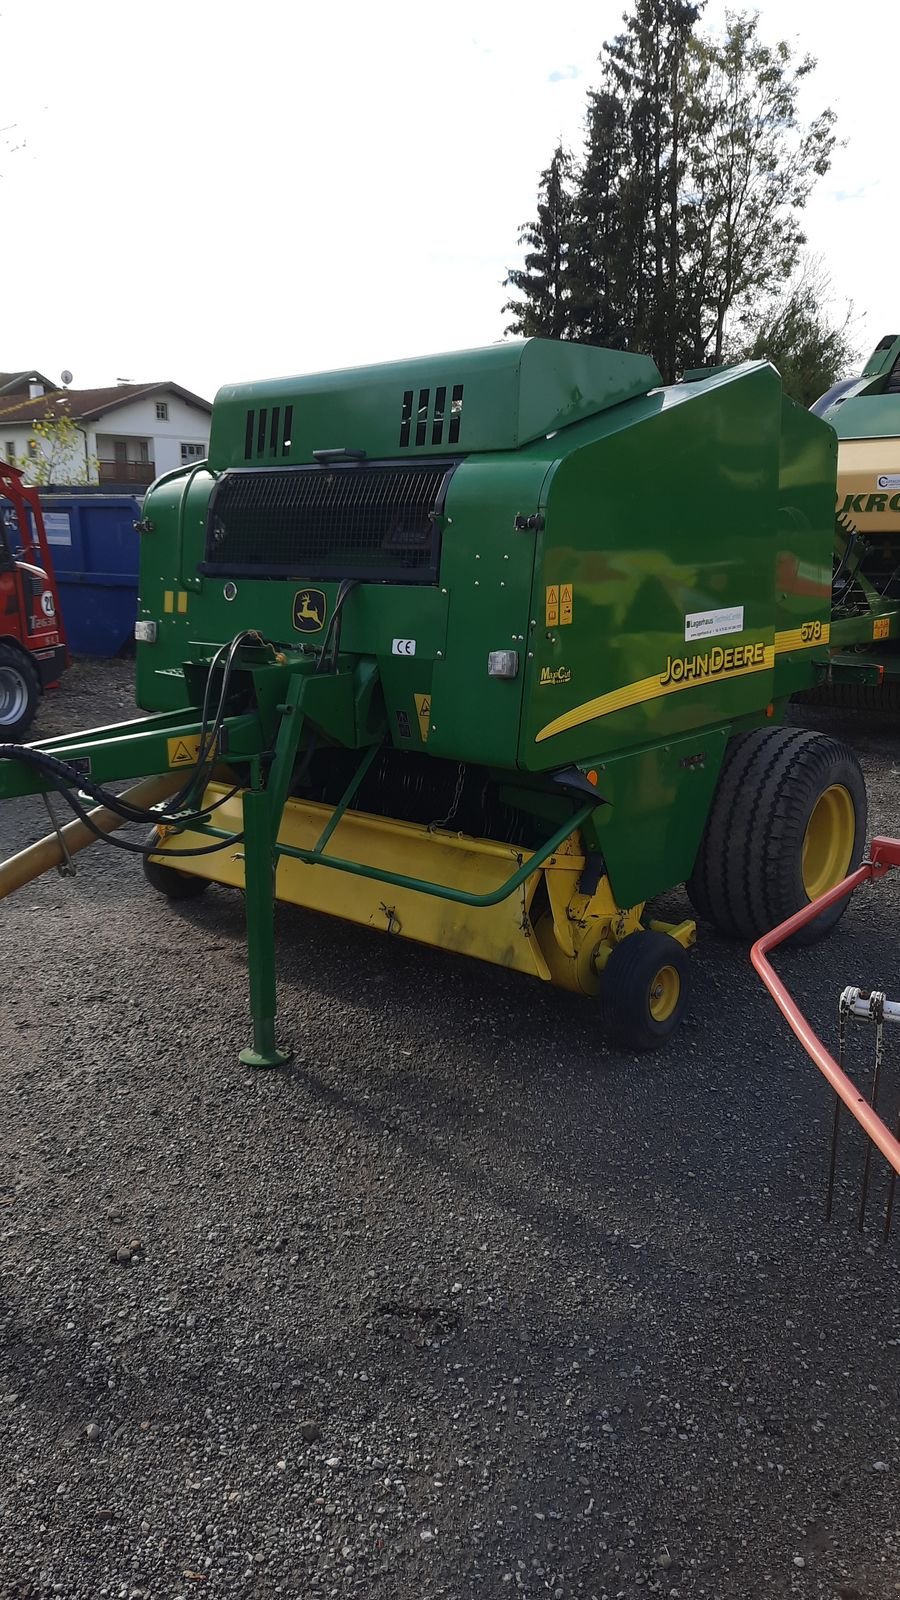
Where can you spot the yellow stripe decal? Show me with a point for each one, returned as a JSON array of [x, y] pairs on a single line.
[[669, 682], [803, 638], [169, 600]]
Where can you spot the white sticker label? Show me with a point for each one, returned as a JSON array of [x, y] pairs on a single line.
[[888, 480], [403, 647], [709, 624], [58, 527], [47, 605]]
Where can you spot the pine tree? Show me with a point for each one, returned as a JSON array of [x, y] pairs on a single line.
[[542, 282], [599, 312]]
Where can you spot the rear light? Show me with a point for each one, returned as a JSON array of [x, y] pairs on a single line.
[[503, 664]]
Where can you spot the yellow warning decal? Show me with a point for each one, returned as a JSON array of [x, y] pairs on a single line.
[[558, 605], [881, 628], [808, 633], [680, 672], [184, 752], [423, 712]]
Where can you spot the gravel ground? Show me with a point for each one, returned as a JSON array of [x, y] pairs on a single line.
[[462, 1304]]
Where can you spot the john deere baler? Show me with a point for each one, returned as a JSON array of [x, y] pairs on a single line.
[[487, 650]]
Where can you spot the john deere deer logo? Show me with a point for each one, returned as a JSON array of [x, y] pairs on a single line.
[[310, 610]]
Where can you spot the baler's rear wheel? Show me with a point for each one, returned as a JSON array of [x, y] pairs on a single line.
[[168, 881], [787, 822], [643, 989]]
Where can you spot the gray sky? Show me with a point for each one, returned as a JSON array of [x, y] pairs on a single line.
[[212, 191]]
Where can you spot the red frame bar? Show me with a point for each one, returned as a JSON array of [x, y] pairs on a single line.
[[884, 854]]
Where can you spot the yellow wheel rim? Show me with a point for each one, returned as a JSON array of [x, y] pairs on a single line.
[[664, 992], [828, 841]]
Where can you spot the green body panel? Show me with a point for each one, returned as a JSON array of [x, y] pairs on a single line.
[[869, 407], [661, 798], [487, 569], [685, 525], [511, 393], [883, 358], [803, 560], [867, 416]]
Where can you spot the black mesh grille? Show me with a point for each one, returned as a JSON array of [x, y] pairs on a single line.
[[377, 522]]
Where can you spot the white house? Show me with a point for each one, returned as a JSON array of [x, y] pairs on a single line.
[[127, 435]]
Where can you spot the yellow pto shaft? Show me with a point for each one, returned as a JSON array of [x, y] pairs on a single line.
[[48, 852]]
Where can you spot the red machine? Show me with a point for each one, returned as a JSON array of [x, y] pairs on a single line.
[[855, 1005], [33, 653]]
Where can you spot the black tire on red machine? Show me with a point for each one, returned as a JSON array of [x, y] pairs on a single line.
[[788, 821], [169, 881], [20, 692]]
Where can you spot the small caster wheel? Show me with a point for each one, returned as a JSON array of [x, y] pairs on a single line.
[[169, 881], [643, 990]]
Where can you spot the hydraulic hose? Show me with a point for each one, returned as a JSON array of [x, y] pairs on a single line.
[[48, 852]]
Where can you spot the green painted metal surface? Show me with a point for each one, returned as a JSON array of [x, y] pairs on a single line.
[[869, 407], [671, 571], [885, 356], [497, 398], [867, 416]]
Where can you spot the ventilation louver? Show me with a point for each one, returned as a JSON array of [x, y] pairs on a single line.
[[267, 432], [417, 410]]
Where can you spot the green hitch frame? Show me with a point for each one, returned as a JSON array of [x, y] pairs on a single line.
[[263, 809]]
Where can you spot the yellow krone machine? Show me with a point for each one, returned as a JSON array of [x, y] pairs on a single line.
[[865, 414]]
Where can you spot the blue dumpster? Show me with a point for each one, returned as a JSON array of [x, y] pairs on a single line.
[[94, 547]]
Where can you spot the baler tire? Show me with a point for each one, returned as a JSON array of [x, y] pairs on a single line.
[[643, 990], [19, 680], [879, 698], [757, 862], [169, 881]]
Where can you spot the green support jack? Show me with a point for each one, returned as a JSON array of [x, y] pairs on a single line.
[[259, 876], [262, 808]]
